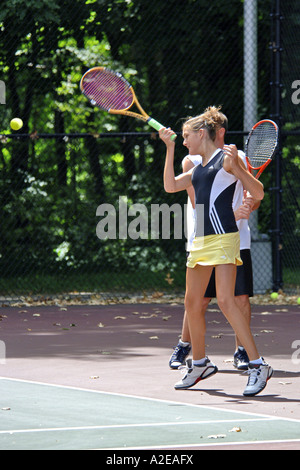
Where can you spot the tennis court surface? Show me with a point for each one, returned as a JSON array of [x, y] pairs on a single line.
[[97, 377]]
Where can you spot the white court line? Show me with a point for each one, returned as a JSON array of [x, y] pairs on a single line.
[[214, 444], [157, 400], [128, 426], [256, 417]]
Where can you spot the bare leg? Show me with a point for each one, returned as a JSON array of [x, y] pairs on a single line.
[[185, 333], [244, 305], [196, 284], [225, 284]]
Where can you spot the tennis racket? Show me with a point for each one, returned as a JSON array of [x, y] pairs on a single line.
[[111, 92], [261, 146]]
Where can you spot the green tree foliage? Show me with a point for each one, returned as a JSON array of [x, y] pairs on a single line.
[[180, 57]]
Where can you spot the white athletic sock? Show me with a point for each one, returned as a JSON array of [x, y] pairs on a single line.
[[257, 362], [184, 344], [200, 362]]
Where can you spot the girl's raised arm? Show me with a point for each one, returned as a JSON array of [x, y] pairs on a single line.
[[173, 184]]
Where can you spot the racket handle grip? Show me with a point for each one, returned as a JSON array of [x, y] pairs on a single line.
[[156, 125]]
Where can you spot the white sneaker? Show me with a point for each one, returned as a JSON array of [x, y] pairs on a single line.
[[194, 374], [258, 378]]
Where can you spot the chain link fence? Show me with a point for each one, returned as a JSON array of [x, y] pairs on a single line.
[[78, 186], [290, 170]]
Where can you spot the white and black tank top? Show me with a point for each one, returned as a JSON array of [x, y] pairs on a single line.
[[214, 190]]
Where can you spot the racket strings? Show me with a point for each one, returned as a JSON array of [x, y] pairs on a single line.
[[261, 144], [107, 90]]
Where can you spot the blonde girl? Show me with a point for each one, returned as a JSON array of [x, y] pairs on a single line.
[[216, 243]]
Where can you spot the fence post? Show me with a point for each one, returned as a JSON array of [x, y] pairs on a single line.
[[277, 116], [261, 250], [2, 92]]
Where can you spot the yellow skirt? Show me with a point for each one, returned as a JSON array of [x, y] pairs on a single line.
[[212, 250]]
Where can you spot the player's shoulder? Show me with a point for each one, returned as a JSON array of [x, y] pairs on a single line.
[[190, 161]]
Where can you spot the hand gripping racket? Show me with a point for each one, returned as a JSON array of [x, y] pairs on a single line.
[[261, 146], [111, 92]]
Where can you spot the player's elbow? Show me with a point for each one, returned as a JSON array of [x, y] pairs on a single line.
[[169, 186], [257, 191], [262, 196], [261, 193], [169, 189]]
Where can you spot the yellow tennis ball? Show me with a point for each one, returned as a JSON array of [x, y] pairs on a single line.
[[16, 124], [274, 295], [298, 301]]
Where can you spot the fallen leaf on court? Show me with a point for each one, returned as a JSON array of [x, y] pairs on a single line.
[[217, 436], [72, 324], [56, 324], [105, 353], [153, 337], [169, 280], [167, 318], [266, 331], [285, 383], [5, 409], [36, 315], [157, 295], [94, 377], [120, 318], [217, 336], [100, 325], [235, 429], [135, 313], [215, 322], [153, 315]]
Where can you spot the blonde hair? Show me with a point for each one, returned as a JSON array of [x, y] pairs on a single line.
[[212, 120]]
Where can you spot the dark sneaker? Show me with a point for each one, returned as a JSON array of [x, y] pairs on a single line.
[[179, 356], [241, 359]]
